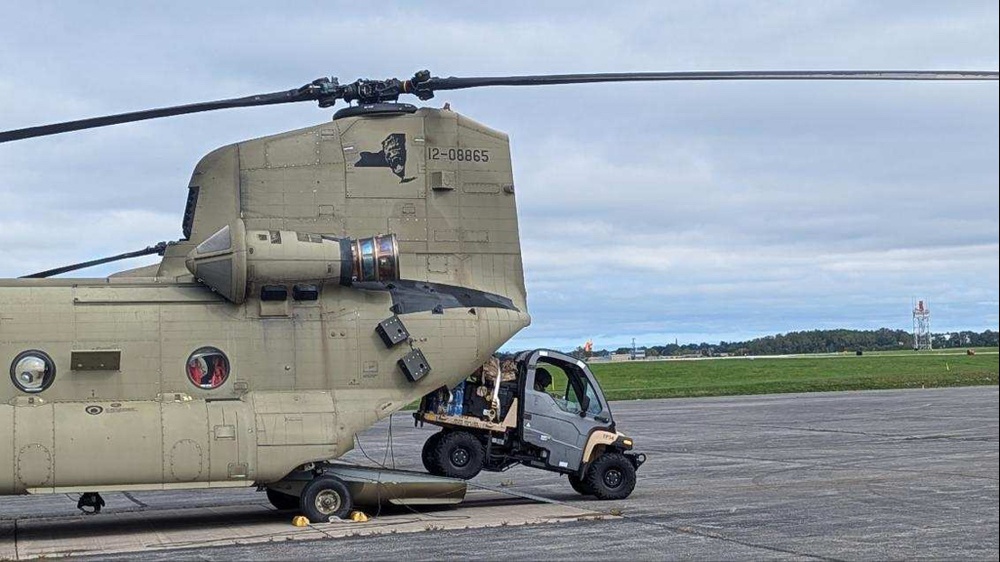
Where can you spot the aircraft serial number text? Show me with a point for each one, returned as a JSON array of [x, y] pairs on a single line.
[[458, 154]]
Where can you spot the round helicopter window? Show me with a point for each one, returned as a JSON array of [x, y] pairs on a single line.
[[32, 371], [208, 368]]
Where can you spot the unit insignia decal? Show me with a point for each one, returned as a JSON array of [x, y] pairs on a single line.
[[392, 156]]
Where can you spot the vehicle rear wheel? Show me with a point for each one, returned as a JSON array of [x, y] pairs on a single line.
[[325, 497], [429, 454], [282, 501], [460, 455], [580, 485], [611, 476]]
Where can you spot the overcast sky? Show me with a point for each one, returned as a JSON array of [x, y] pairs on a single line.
[[688, 211]]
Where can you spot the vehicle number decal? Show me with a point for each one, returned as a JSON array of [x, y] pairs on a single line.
[[458, 154]]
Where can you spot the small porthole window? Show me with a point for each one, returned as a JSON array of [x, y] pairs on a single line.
[[32, 371], [208, 368]]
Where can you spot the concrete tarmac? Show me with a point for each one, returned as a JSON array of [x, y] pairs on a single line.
[[898, 474]]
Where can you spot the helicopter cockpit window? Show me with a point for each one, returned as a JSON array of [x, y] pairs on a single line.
[[208, 368], [221, 240], [32, 371]]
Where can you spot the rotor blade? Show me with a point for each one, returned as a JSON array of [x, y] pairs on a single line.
[[452, 83], [159, 248], [289, 96], [327, 90]]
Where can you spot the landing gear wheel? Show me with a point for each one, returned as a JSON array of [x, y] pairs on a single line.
[[325, 497], [429, 454], [611, 477], [282, 501], [580, 485], [459, 455]]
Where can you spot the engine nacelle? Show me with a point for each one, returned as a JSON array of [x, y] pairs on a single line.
[[234, 259]]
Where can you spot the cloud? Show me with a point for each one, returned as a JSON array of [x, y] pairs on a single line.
[[41, 239], [660, 211]]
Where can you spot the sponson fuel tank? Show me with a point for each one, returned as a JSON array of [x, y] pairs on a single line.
[[234, 260]]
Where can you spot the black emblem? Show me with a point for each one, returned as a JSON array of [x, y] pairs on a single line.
[[392, 156], [91, 500], [93, 410]]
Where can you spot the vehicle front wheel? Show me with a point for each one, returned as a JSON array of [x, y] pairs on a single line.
[[460, 455], [325, 497], [611, 476]]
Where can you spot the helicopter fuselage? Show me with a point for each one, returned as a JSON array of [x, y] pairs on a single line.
[[154, 379], [299, 386]]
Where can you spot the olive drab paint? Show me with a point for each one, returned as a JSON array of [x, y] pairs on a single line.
[[269, 358]]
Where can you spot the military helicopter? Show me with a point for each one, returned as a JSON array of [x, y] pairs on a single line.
[[325, 278]]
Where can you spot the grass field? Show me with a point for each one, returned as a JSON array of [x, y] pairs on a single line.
[[805, 373]]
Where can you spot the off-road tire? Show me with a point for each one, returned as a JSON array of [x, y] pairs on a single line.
[[611, 476], [580, 485], [282, 501], [325, 497], [428, 455], [459, 454]]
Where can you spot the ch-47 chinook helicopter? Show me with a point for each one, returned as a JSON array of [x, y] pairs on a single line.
[[325, 278]]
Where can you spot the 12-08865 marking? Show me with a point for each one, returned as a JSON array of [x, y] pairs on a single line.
[[458, 154]]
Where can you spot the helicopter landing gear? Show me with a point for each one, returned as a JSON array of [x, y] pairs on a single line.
[[91, 500], [325, 497]]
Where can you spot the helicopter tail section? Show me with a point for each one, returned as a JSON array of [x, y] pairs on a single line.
[[440, 182]]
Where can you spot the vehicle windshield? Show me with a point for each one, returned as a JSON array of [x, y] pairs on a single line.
[[568, 386]]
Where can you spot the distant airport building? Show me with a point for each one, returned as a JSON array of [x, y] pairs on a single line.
[[632, 355]]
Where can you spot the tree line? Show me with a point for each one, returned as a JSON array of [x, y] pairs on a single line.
[[817, 341]]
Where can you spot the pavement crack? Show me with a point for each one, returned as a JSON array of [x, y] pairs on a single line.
[[825, 430], [980, 439], [134, 500], [717, 536], [671, 451]]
